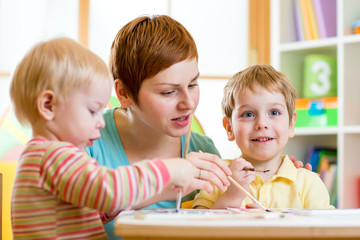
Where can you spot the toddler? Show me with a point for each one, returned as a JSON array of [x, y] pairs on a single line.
[[61, 88]]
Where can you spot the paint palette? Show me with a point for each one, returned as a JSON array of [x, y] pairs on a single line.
[[208, 214]]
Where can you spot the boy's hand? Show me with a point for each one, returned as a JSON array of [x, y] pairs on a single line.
[[241, 176], [233, 197]]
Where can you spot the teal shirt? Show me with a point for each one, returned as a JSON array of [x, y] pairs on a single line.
[[109, 152]]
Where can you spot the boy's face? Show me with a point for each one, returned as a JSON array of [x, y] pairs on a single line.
[[167, 99], [260, 124], [80, 117]]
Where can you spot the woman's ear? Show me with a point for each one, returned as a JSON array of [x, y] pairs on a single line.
[[46, 104], [121, 94], [228, 129]]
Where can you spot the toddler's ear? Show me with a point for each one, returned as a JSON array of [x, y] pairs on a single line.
[[121, 94], [228, 129], [45, 104]]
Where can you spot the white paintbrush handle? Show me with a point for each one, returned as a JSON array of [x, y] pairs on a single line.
[[246, 192], [187, 142]]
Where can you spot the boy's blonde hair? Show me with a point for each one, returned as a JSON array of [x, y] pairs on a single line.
[[146, 46], [264, 76], [61, 65]]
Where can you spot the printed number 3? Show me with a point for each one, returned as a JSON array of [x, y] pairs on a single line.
[[323, 77]]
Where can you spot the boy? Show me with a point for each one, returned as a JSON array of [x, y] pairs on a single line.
[[259, 108], [61, 88]]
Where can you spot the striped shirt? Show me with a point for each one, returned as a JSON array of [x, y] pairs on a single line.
[[59, 191]]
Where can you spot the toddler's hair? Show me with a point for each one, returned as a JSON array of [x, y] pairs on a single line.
[[60, 65]]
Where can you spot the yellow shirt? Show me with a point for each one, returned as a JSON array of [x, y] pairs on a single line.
[[290, 187]]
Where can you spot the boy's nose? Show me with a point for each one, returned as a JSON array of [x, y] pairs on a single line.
[[261, 123]]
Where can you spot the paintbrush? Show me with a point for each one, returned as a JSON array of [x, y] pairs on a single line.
[[187, 143], [256, 170], [247, 193]]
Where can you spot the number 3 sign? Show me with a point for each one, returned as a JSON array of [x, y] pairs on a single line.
[[319, 76]]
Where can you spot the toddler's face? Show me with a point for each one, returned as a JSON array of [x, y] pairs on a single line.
[[260, 124], [79, 119]]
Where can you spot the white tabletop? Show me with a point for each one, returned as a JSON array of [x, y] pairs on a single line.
[[242, 224]]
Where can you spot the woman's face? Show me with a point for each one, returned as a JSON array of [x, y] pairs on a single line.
[[167, 100]]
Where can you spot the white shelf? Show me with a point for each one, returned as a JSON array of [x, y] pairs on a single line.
[[352, 130], [352, 38], [308, 131], [287, 55], [296, 46]]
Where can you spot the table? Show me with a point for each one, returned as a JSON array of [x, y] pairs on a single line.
[[222, 224]]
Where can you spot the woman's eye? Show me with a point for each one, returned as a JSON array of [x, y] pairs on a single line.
[[92, 112], [193, 85], [167, 93]]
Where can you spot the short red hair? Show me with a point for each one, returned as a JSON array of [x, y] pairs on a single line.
[[146, 46]]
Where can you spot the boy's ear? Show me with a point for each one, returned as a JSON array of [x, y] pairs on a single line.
[[228, 129], [46, 104], [121, 94], [292, 125]]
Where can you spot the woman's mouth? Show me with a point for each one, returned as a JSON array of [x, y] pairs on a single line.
[[181, 121]]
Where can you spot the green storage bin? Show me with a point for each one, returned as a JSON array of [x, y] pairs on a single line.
[[320, 76]]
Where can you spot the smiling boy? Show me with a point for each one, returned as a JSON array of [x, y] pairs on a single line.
[[259, 108]]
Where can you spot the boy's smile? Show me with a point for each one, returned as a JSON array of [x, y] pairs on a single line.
[[260, 124]]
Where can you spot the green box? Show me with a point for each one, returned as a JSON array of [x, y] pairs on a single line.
[[320, 112], [320, 76], [304, 119]]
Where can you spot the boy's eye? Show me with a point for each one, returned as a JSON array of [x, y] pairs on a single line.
[[274, 113], [248, 115]]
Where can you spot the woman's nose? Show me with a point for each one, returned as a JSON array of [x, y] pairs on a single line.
[[187, 101]]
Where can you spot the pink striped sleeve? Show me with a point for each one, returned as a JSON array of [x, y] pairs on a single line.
[[76, 178], [163, 170]]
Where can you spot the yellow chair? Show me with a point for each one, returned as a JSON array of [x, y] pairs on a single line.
[[7, 169]]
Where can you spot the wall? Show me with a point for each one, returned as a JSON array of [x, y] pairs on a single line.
[[218, 27]]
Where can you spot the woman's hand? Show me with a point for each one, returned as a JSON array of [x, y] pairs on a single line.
[[209, 168], [299, 164], [202, 169]]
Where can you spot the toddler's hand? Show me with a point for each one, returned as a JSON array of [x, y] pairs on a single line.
[[182, 172]]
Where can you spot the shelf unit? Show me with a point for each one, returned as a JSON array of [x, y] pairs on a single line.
[[287, 55]]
